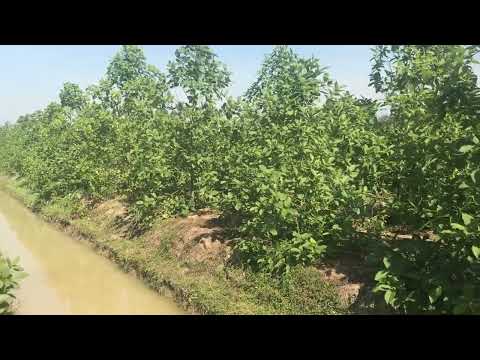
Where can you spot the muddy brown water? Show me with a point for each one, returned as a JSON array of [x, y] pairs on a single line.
[[65, 275]]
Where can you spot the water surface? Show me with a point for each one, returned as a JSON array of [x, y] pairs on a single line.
[[65, 275]]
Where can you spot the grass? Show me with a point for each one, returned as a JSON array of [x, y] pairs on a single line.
[[15, 188], [199, 287]]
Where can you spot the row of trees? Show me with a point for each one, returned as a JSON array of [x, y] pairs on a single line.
[[300, 167]]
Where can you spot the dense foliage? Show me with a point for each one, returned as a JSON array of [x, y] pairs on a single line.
[[298, 167], [435, 132], [10, 275]]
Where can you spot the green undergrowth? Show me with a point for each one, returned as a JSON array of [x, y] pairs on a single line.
[[15, 188], [199, 287]]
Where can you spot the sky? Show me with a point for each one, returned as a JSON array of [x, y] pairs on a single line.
[[32, 76]]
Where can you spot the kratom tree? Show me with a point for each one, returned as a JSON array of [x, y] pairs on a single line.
[[198, 72], [127, 64], [434, 131], [203, 79], [72, 96], [288, 83], [137, 95], [131, 86], [438, 78]]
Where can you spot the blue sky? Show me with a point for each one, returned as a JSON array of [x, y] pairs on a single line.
[[31, 76]]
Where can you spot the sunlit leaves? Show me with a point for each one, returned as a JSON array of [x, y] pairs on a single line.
[[466, 148], [467, 219], [287, 83], [72, 96], [198, 72], [131, 86], [433, 127], [11, 273]]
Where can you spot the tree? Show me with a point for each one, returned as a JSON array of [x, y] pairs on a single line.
[[131, 86], [434, 132], [198, 72], [203, 79], [439, 78], [128, 64], [72, 96], [287, 82]]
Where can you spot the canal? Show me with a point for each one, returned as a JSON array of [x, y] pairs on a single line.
[[66, 276]]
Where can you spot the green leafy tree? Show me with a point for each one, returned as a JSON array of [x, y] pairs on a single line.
[[288, 83], [433, 127], [72, 96], [131, 86], [204, 79], [198, 72], [439, 77]]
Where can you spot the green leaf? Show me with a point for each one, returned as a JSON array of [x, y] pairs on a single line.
[[386, 262], [19, 276], [4, 270], [390, 297], [379, 276], [458, 227], [466, 148], [434, 294], [382, 287], [463, 185], [472, 175], [467, 219], [4, 298], [476, 251]]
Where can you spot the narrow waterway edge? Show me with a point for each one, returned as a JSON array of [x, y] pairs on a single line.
[[162, 286]]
